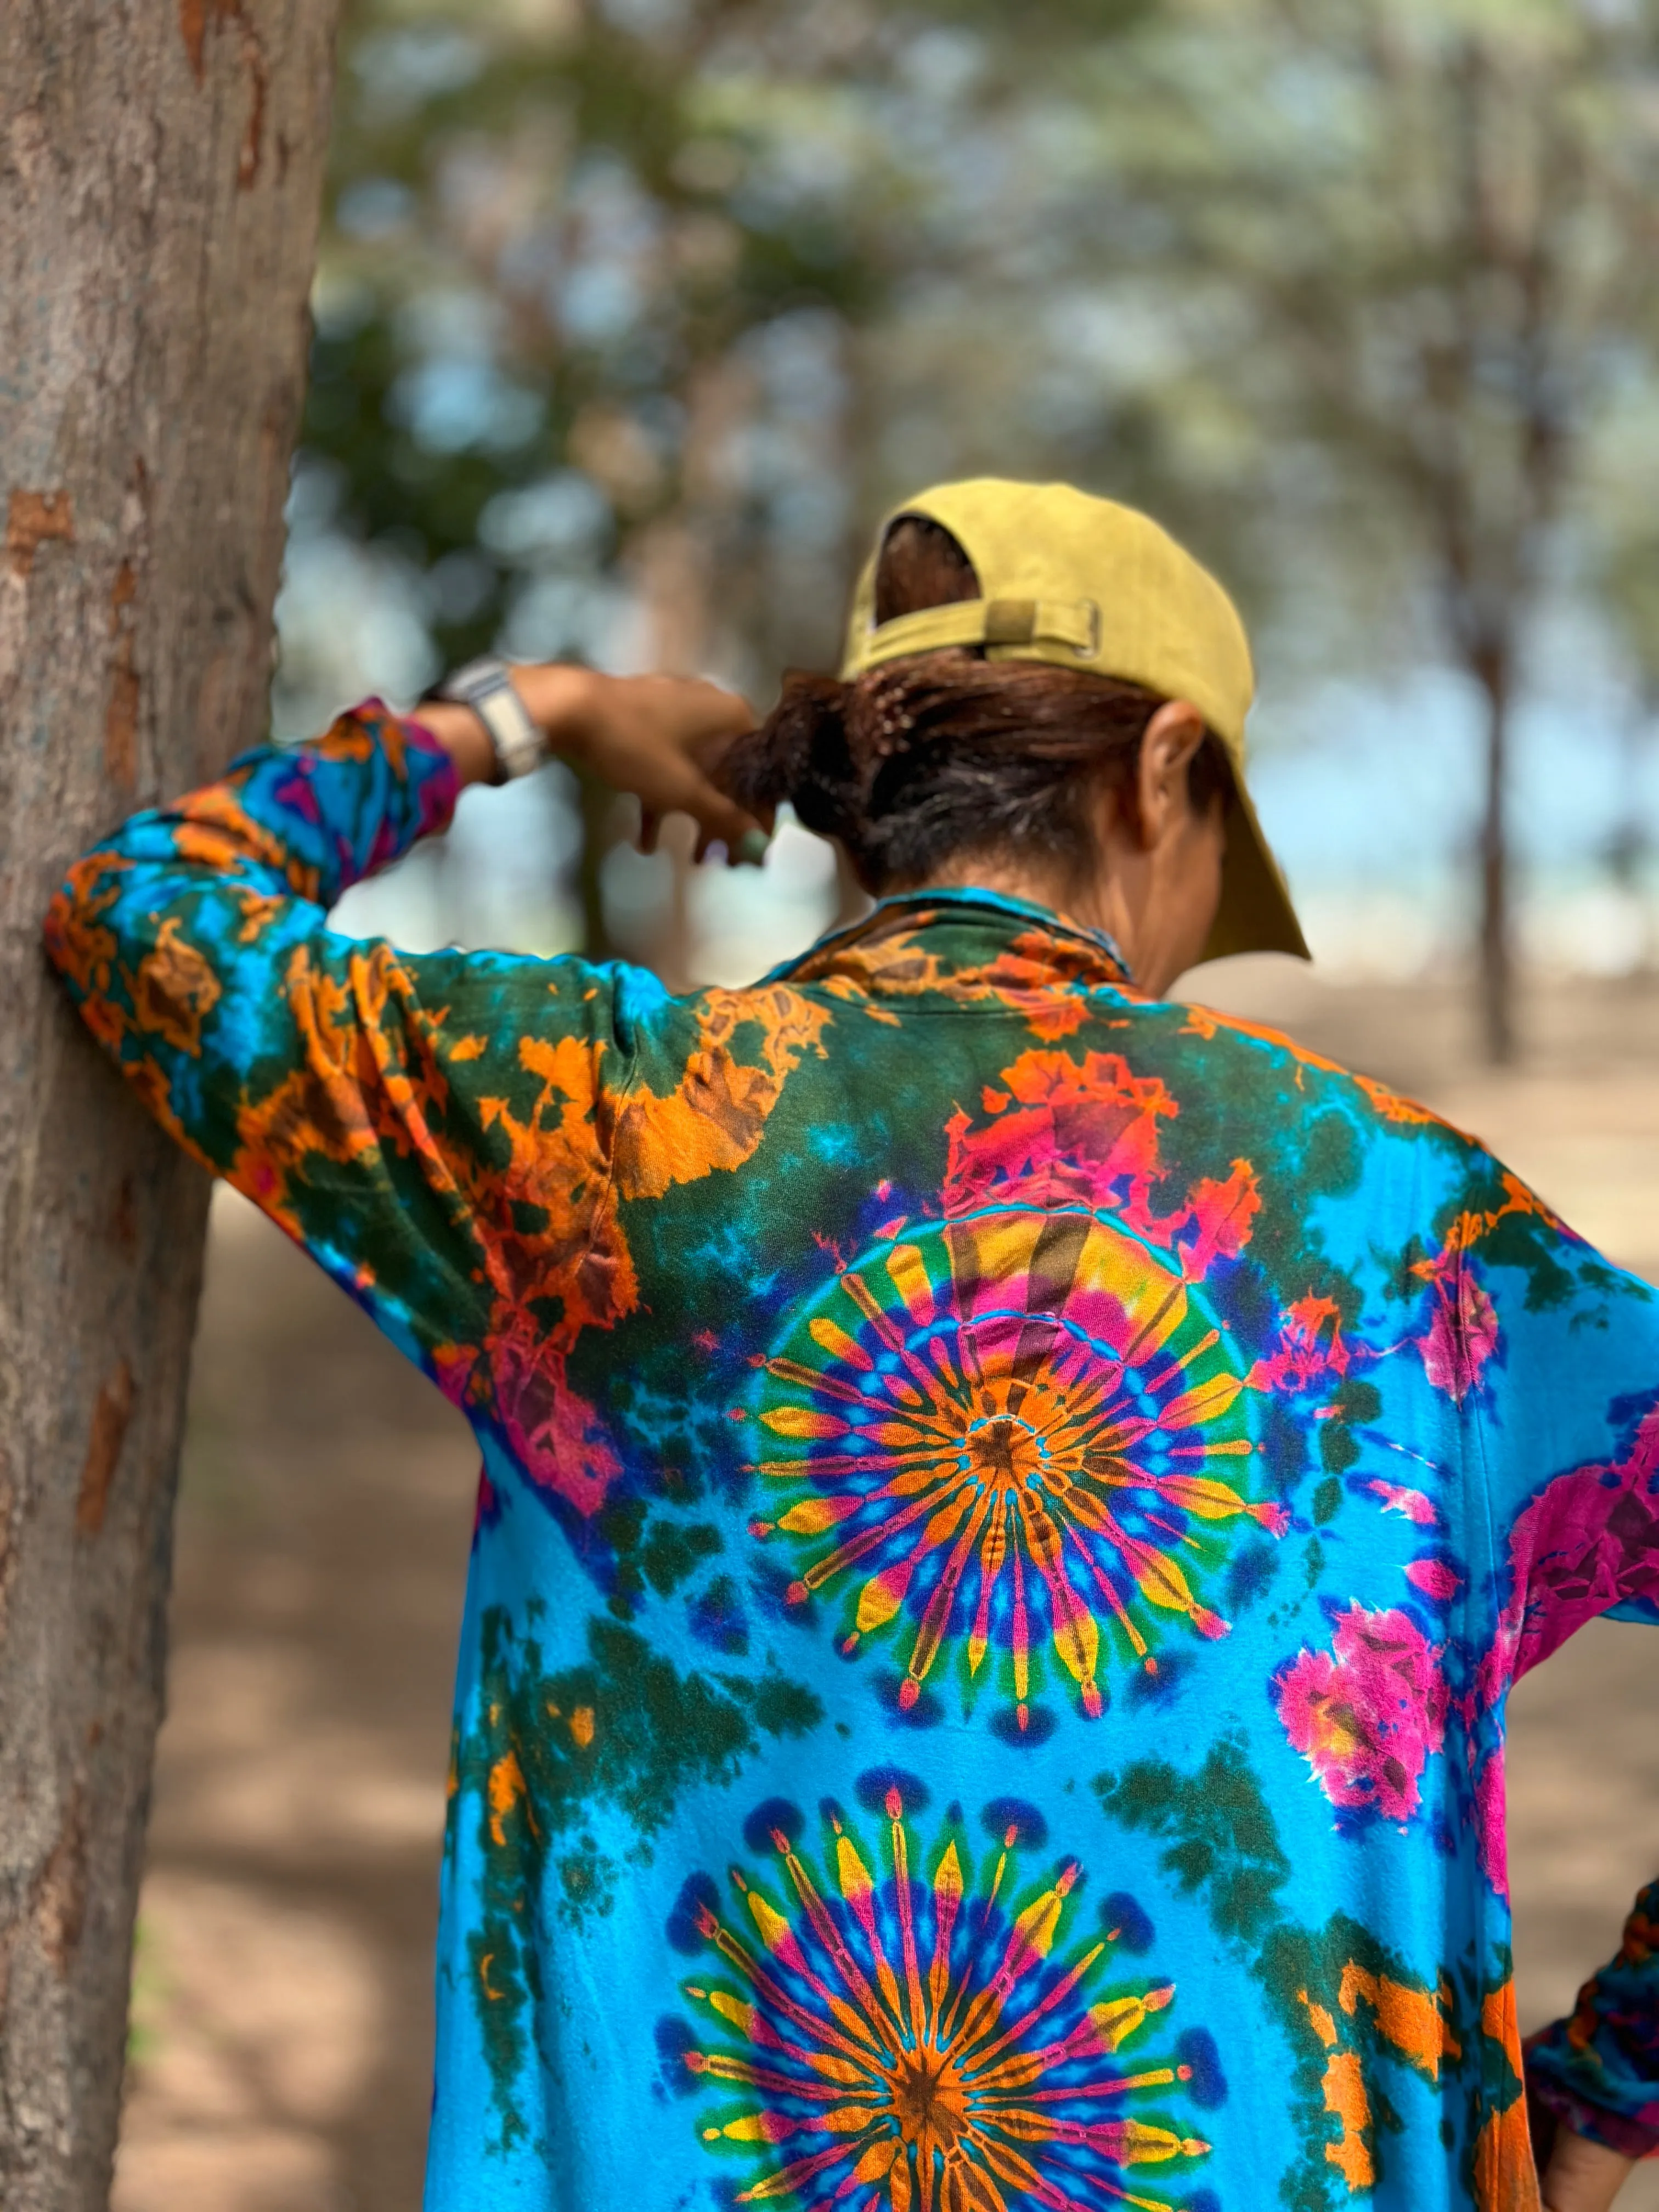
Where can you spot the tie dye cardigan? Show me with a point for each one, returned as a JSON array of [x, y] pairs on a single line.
[[1009, 1514]]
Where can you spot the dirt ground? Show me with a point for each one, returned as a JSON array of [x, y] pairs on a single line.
[[282, 2030]]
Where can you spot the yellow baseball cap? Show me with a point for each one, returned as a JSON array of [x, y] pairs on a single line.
[[1084, 583]]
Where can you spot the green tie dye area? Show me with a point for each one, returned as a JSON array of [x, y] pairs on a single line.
[[1009, 1513]]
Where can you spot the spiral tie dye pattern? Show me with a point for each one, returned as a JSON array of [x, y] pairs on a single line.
[[1005, 1424], [904, 2046]]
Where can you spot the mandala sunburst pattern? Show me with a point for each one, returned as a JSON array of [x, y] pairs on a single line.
[[898, 2043], [1019, 1432]]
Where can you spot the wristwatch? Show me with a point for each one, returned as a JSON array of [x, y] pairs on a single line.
[[486, 686]]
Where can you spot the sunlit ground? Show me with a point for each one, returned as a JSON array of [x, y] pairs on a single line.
[[283, 2017]]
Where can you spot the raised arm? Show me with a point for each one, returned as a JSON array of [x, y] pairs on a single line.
[[390, 1111]]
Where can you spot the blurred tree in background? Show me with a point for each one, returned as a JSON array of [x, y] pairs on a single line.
[[599, 310], [576, 263], [1423, 241], [633, 313]]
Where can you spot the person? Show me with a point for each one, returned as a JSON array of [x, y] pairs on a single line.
[[1011, 1504]]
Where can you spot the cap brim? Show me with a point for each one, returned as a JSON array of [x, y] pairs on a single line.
[[1255, 914]]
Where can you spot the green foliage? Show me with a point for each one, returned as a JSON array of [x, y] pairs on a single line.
[[650, 312], [547, 248], [146, 2035], [1403, 254]]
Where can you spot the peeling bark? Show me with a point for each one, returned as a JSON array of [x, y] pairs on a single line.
[[110, 1417], [160, 179], [32, 517]]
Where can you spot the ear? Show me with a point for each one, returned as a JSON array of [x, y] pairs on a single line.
[[1173, 736]]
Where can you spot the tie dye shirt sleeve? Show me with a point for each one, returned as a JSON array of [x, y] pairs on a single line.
[[385, 1109], [1599, 2071], [1541, 1339]]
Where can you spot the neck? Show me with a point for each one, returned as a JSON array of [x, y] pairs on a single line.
[[1090, 900]]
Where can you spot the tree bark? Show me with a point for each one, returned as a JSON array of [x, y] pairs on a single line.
[[160, 182], [1492, 671]]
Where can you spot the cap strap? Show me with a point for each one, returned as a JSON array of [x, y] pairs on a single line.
[[1008, 623]]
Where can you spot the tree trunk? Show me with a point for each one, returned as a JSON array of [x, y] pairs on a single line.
[[598, 814], [159, 180], [1492, 671]]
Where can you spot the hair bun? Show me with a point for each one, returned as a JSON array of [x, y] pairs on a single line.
[[947, 752]]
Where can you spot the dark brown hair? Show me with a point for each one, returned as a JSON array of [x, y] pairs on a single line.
[[946, 753]]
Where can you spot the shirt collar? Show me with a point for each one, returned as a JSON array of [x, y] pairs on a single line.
[[962, 929]]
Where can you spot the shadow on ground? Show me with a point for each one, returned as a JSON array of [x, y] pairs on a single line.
[[283, 2024]]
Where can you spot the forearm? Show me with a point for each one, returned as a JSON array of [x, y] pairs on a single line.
[[654, 737], [562, 702]]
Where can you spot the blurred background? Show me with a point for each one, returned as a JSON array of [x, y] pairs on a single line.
[[632, 317]]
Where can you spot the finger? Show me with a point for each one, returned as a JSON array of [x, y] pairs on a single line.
[[720, 819], [750, 851], [679, 786]]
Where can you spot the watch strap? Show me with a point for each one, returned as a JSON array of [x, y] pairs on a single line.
[[486, 686]]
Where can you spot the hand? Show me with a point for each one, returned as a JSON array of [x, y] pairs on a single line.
[[1582, 2176], [655, 735]]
